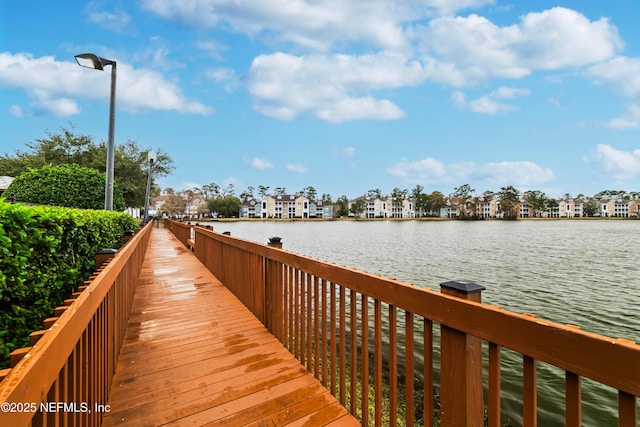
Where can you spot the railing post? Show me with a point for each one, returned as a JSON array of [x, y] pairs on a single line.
[[103, 255], [461, 394], [275, 242], [128, 235], [273, 292]]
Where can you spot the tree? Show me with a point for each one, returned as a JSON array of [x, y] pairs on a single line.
[[211, 190], [68, 147], [437, 201], [398, 197], [551, 205], [342, 206], [191, 197], [247, 194], [419, 200], [227, 206], [174, 205], [280, 191], [64, 185], [375, 193], [358, 206], [229, 191], [467, 204], [537, 201], [590, 207], [309, 192], [509, 202], [326, 198], [423, 204], [263, 191]]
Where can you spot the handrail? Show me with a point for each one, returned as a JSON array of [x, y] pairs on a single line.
[[305, 303], [65, 378]]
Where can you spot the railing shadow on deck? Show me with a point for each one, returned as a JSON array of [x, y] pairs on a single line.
[[65, 377], [331, 318]]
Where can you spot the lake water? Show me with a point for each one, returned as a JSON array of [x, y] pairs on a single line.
[[584, 273]]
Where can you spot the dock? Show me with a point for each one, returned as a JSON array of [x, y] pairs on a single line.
[[193, 354]]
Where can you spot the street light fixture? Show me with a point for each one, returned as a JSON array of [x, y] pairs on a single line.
[[152, 158], [89, 60]]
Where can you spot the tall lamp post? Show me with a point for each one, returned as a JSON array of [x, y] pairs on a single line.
[[89, 60], [152, 158]]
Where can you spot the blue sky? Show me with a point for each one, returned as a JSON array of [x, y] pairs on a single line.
[[342, 95]]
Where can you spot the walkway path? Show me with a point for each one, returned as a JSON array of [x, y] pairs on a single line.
[[194, 355]]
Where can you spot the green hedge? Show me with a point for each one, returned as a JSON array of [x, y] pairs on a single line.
[[46, 253], [64, 185]]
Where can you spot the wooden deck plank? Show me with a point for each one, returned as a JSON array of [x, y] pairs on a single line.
[[194, 355]]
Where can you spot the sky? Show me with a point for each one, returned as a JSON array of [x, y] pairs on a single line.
[[341, 95]]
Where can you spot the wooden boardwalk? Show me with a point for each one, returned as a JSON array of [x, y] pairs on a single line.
[[194, 355]]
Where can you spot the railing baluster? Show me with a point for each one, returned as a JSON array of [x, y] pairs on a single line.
[[288, 310], [377, 369], [364, 384], [86, 356], [428, 372], [353, 350], [332, 332], [494, 385], [408, 370], [316, 327], [324, 334], [296, 314], [393, 367], [627, 410], [343, 347], [309, 289], [303, 319], [573, 396], [530, 389]]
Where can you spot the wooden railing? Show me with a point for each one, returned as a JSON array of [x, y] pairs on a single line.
[[65, 377], [358, 333]]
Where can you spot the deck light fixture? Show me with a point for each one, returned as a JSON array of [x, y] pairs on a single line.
[[89, 60], [151, 156]]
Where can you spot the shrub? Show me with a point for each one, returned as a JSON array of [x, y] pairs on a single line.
[[45, 253], [64, 185]]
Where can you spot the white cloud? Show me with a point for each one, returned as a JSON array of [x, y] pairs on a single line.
[[55, 86], [629, 120], [298, 168], [432, 171], [117, 20], [469, 49], [622, 73], [523, 173], [489, 104], [414, 42], [425, 170], [261, 164], [213, 48], [315, 25], [225, 76], [346, 152], [622, 165], [16, 111], [334, 88], [56, 106]]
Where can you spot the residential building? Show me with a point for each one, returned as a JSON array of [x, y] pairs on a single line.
[[251, 209], [320, 209], [5, 181], [487, 207]]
